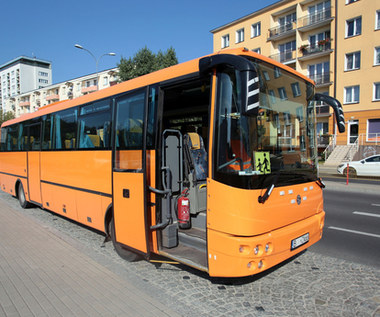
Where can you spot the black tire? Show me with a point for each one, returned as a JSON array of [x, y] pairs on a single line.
[[351, 172], [123, 253], [21, 197]]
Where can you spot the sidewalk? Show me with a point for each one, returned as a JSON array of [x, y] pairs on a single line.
[[42, 275]]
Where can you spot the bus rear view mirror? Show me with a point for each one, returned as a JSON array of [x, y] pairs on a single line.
[[335, 104]]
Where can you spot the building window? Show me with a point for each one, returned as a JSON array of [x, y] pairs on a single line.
[[296, 90], [257, 50], [376, 92], [225, 41], [373, 128], [239, 35], [282, 93], [256, 29], [105, 81], [354, 27], [377, 25], [377, 56], [353, 61], [351, 94]]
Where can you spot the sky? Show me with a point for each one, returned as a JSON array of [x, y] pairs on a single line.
[[49, 29]]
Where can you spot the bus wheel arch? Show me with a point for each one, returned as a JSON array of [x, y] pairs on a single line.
[[20, 194], [127, 255]]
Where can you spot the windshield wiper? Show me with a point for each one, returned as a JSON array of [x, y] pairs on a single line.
[[262, 199]]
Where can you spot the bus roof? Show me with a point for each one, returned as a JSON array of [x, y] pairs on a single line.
[[162, 75]]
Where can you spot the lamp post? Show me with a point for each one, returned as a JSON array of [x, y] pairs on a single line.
[[96, 60]]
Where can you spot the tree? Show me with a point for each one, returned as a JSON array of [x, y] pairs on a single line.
[[5, 116], [145, 62]]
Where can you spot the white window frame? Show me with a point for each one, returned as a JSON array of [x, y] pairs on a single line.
[[256, 29], [296, 89], [239, 36], [225, 41], [355, 56], [354, 94], [376, 85], [354, 20], [377, 20], [377, 53]]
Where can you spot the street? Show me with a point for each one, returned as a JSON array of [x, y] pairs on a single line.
[[352, 226]]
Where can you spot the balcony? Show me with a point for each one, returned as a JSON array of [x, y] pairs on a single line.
[[52, 97], [286, 57], [87, 90], [282, 31], [315, 20], [321, 80], [323, 48], [322, 110], [24, 104]]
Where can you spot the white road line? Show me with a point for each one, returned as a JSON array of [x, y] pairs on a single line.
[[376, 205], [366, 214], [356, 232]]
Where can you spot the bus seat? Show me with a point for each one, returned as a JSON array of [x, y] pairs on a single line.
[[67, 144], [95, 139], [196, 171], [196, 155]]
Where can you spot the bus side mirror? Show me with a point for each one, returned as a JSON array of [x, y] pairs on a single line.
[[335, 104], [250, 96]]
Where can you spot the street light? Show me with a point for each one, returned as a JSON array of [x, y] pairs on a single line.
[[96, 60]]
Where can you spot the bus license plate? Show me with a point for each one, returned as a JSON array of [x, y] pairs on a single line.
[[296, 243]]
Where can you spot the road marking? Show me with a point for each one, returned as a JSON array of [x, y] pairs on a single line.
[[376, 205], [356, 232], [366, 214]]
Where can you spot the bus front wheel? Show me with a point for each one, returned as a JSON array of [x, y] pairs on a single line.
[[21, 197], [123, 253]]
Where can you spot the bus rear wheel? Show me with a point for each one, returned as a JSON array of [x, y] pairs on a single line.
[[123, 253], [21, 197]]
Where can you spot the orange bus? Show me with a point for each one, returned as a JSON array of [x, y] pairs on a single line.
[[211, 163]]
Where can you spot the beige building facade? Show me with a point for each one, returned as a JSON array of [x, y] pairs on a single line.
[[334, 42], [32, 100]]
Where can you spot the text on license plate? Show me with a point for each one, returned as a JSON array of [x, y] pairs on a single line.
[[299, 241]]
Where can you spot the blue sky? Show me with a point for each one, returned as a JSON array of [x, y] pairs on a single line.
[[49, 29]]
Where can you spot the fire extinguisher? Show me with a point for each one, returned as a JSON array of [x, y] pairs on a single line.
[[183, 210]]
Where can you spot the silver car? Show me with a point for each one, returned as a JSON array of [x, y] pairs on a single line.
[[369, 166]]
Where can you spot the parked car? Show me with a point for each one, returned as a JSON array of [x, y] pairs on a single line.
[[369, 166]]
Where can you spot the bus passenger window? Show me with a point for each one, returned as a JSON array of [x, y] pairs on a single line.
[[129, 122], [95, 126], [47, 132], [65, 127]]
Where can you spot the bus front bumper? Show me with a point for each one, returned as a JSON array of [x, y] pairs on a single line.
[[234, 256]]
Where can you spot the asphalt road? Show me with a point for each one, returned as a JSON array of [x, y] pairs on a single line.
[[352, 226]]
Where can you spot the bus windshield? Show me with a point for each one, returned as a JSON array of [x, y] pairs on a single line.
[[276, 146]]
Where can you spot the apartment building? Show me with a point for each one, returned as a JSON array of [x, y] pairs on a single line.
[[32, 100], [334, 42], [23, 74]]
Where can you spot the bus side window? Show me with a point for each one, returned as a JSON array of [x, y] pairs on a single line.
[[3, 139], [65, 127], [47, 135], [95, 125], [11, 138]]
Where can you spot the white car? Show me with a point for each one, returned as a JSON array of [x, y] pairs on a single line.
[[369, 166]]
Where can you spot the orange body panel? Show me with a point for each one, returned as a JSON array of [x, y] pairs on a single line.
[[237, 211], [129, 211], [129, 159], [14, 164]]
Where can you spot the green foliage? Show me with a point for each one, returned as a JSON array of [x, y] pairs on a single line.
[[145, 62], [5, 116]]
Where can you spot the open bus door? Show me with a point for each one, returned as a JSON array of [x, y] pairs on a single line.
[[129, 173]]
